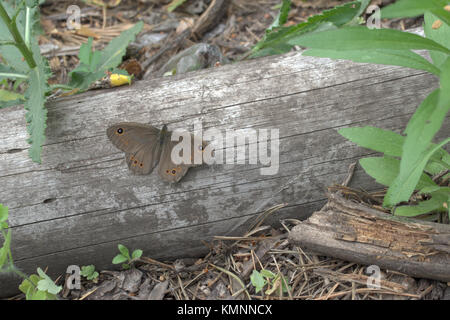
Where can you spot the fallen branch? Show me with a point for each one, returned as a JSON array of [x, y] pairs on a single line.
[[354, 232]]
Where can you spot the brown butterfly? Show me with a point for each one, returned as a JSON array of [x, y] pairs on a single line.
[[145, 146]]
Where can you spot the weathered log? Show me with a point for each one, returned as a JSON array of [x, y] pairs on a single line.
[[354, 232], [82, 200]]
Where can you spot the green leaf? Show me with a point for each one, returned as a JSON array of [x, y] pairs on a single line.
[[414, 8], [268, 274], [424, 124], [5, 249], [434, 204], [93, 276], [10, 54], [385, 169], [386, 141], [119, 259], [3, 213], [26, 286], [124, 251], [9, 73], [31, 3], [257, 281], [282, 15], [137, 254], [436, 188], [408, 179], [85, 54], [9, 98], [379, 56], [87, 270], [47, 284], [38, 295], [175, 4], [277, 41], [94, 64], [440, 35], [36, 115], [362, 38]]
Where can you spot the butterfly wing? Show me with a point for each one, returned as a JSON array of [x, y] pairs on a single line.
[[140, 142], [170, 171]]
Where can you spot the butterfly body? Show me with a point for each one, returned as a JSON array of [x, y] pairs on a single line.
[[145, 146]]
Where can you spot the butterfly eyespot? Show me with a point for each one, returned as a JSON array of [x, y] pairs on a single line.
[[119, 131], [174, 171], [135, 162], [141, 165]]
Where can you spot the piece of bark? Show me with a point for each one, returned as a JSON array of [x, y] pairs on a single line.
[[354, 232]]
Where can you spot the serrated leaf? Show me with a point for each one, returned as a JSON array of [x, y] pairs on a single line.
[[401, 58], [36, 115], [10, 54], [385, 169], [119, 259], [440, 35], [282, 15], [115, 50], [362, 38], [101, 61], [277, 41], [257, 281]]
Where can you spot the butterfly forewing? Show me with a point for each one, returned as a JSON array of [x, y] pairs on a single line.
[[140, 142]]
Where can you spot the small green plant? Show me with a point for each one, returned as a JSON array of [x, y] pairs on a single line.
[[22, 63], [174, 4], [410, 159], [267, 278], [39, 287], [35, 287], [89, 273], [124, 256]]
